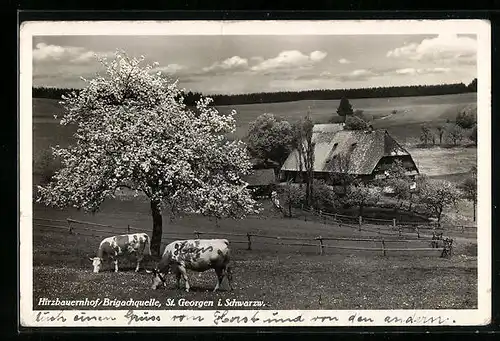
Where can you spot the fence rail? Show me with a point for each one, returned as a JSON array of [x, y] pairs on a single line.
[[76, 227], [399, 226]]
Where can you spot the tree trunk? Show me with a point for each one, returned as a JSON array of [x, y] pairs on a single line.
[[308, 188], [440, 211], [311, 191], [157, 228], [474, 210]]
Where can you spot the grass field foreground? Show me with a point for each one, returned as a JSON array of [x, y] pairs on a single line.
[[282, 277]]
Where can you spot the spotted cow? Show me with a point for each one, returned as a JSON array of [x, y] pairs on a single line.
[[111, 248], [196, 255]]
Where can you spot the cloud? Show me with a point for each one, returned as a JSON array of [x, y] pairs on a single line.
[[170, 68], [358, 75], [445, 47], [257, 59], [344, 61], [72, 54], [423, 71], [317, 56], [233, 63], [289, 59]]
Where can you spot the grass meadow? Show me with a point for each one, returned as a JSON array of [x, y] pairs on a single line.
[[284, 277]]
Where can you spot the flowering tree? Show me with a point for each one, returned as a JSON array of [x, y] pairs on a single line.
[[426, 135], [399, 181], [437, 195], [293, 196], [362, 195], [133, 130]]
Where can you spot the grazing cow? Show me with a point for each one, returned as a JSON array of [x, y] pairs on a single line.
[[196, 255], [123, 245]]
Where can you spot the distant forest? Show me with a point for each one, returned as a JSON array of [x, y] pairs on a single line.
[[190, 98]]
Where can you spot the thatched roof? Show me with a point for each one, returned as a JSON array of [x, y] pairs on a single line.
[[347, 151], [260, 177]]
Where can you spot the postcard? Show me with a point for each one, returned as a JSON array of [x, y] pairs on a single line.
[[255, 173]]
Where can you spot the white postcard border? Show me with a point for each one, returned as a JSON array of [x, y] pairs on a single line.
[[480, 316]]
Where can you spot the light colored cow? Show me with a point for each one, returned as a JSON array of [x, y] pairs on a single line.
[[196, 255], [124, 245]]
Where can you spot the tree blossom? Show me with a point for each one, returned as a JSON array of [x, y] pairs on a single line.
[[133, 130]]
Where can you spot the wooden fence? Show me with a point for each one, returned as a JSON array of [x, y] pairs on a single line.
[[85, 228], [391, 225]]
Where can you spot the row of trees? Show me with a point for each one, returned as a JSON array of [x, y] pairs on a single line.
[[190, 98], [454, 133], [429, 197]]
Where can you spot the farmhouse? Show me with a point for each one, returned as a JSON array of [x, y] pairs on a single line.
[[363, 154]]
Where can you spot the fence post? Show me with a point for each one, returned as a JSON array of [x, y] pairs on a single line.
[[335, 217], [447, 247], [360, 222], [197, 234], [383, 246], [249, 241], [70, 228], [321, 246], [418, 232], [394, 223], [128, 228]]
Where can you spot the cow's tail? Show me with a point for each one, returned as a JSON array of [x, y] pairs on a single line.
[[147, 246]]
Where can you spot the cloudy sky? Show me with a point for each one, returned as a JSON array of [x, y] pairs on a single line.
[[245, 64]]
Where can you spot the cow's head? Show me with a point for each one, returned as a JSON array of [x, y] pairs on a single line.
[[157, 278], [96, 263]]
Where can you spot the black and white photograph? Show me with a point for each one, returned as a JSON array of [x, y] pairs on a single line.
[[281, 173]]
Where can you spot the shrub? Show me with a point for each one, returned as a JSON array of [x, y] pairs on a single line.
[[355, 123], [465, 120], [324, 197], [473, 135]]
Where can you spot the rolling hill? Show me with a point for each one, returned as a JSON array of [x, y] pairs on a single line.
[[401, 116]]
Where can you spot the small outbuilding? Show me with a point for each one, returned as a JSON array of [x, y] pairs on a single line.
[[262, 182]]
